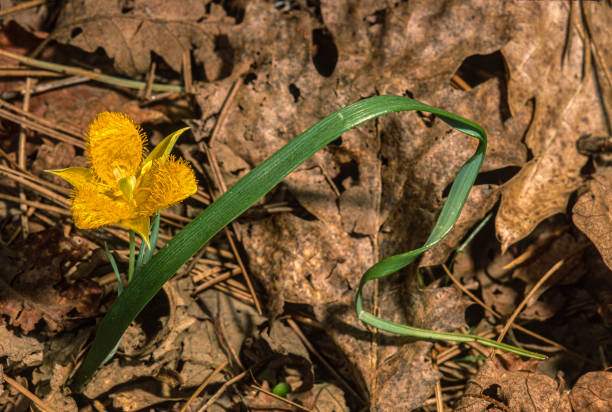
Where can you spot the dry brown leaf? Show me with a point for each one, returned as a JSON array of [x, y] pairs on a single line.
[[497, 389], [390, 174], [592, 214], [113, 374], [76, 106], [566, 106], [32, 290], [32, 18], [19, 351], [324, 397], [136, 399], [593, 392], [130, 32]]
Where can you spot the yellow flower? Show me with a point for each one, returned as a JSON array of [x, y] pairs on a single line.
[[121, 188]]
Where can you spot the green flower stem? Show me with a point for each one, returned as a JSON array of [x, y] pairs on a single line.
[[132, 255]]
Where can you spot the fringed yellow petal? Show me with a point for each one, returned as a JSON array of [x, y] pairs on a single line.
[[115, 146], [140, 225], [168, 183], [92, 208], [76, 176]]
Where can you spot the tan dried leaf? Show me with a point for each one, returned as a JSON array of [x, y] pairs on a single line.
[[32, 290], [496, 389], [129, 32], [592, 215], [593, 392], [566, 106]]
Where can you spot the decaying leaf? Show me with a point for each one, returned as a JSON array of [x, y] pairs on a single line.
[[378, 191], [550, 80], [136, 399], [113, 374], [496, 389], [129, 32], [592, 214], [593, 392], [19, 351], [75, 107], [32, 290]]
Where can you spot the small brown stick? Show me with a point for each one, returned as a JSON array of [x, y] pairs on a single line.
[[225, 111], [42, 129], [223, 388], [24, 174], [438, 387], [24, 72], [320, 357], [25, 392], [460, 83], [150, 80], [45, 192], [243, 297], [20, 7], [537, 286], [58, 84], [187, 76], [534, 248], [21, 157], [200, 388], [39, 120], [217, 279], [212, 160], [515, 326], [103, 78], [36, 205], [280, 398], [532, 292]]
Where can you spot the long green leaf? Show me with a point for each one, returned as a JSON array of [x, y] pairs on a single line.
[[251, 188]]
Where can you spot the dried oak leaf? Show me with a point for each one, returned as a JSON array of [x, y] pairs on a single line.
[[593, 392], [496, 389], [567, 106], [76, 106], [592, 214], [32, 289], [130, 31], [389, 175]]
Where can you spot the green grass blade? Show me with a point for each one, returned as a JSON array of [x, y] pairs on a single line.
[[113, 263], [251, 188]]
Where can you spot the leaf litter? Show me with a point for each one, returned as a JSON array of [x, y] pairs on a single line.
[[374, 193]]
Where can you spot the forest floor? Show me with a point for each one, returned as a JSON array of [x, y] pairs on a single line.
[[270, 299]]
